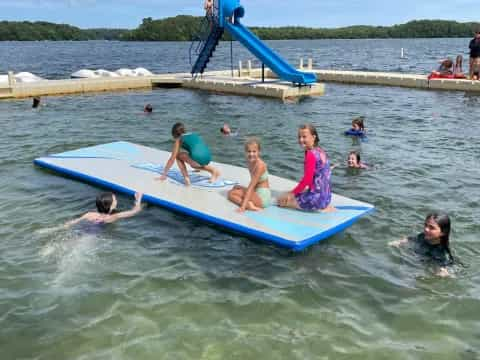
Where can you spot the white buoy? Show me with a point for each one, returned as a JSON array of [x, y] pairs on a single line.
[[401, 54]]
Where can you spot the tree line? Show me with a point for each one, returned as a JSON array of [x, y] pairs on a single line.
[[185, 28]]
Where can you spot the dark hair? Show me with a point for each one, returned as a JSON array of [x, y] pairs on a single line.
[[357, 155], [359, 121], [222, 130], [36, 102], [148, 108], [443, 221], [312, 130], [178, 130], [104, 202]]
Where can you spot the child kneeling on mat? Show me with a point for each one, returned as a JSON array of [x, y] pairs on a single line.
[[257, 195], [191, 149]]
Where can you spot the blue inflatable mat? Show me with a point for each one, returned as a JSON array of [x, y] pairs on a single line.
[[126, 167]]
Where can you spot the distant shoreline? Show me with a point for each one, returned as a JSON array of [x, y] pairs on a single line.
[[184, 28]]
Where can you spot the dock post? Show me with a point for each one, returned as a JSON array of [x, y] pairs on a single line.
[[11, 78], [249, 66], [301, 63], [263, 72], [240, 68], [310, 63]]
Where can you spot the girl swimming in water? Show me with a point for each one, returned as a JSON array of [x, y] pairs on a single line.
[[257, 195], [106, 206], [354, 161], [433, 242], [314, 190], [358, 127], [189, 148]]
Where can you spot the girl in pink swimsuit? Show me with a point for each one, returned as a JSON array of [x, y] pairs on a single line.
[[313, 192]]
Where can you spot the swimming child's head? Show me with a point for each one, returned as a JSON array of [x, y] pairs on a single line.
[[307, 136], [353, 159], [148, 108], [437, 228], [225, 129], [106, 203], [357, 124], [252, 149], [36, 102], [178, 130]]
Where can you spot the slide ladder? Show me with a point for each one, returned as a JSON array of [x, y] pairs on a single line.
[[206, 49]]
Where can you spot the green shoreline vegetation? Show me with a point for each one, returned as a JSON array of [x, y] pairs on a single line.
[[184, 27]]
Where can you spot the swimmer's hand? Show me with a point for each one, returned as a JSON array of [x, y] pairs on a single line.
[[138, 198], [161, 178], [398, 243], [240, 210], [187, 181]]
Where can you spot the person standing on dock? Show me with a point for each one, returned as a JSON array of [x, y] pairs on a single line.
[[208, 6], [475, 56]]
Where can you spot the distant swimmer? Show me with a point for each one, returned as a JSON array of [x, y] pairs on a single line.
[[36, 102], [313, 192], [433, 243], [189, 148], [106, 206], [257, 195], [358, 127], [225, 130], [148, 109]]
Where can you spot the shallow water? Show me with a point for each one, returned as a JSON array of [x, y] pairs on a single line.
[[162, 285]]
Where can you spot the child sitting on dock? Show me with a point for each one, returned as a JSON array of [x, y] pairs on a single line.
[[358, 127], [444, 70], [257, 195], [457, 68], [354, 161], [433, 242], [313, 192], [189, 148], [106, 206]]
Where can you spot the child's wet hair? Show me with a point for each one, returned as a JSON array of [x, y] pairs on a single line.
[[252, 141], [443, 222], [178, 130], [312, 131], [104, 202], [359, 121]]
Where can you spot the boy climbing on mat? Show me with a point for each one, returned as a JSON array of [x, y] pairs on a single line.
[[191, 149]]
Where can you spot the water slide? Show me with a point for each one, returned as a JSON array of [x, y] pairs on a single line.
[[267, 56]]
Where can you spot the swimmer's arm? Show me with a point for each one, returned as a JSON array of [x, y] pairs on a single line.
[[251, 187], [137, 207], [76, 221], [398, 243], [171, 160]]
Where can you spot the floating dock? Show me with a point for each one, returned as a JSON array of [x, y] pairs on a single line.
[[243, 82]]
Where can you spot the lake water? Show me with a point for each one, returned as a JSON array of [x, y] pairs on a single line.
[[165, 286]]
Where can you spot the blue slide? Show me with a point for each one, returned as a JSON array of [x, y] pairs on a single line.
[[267, 56]]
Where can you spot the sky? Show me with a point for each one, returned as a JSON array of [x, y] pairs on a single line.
[[313, 13]]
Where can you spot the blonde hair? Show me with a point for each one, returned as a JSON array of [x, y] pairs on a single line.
[[253, 141]]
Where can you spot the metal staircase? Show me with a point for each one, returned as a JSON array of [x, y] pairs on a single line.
[[204, 44]]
